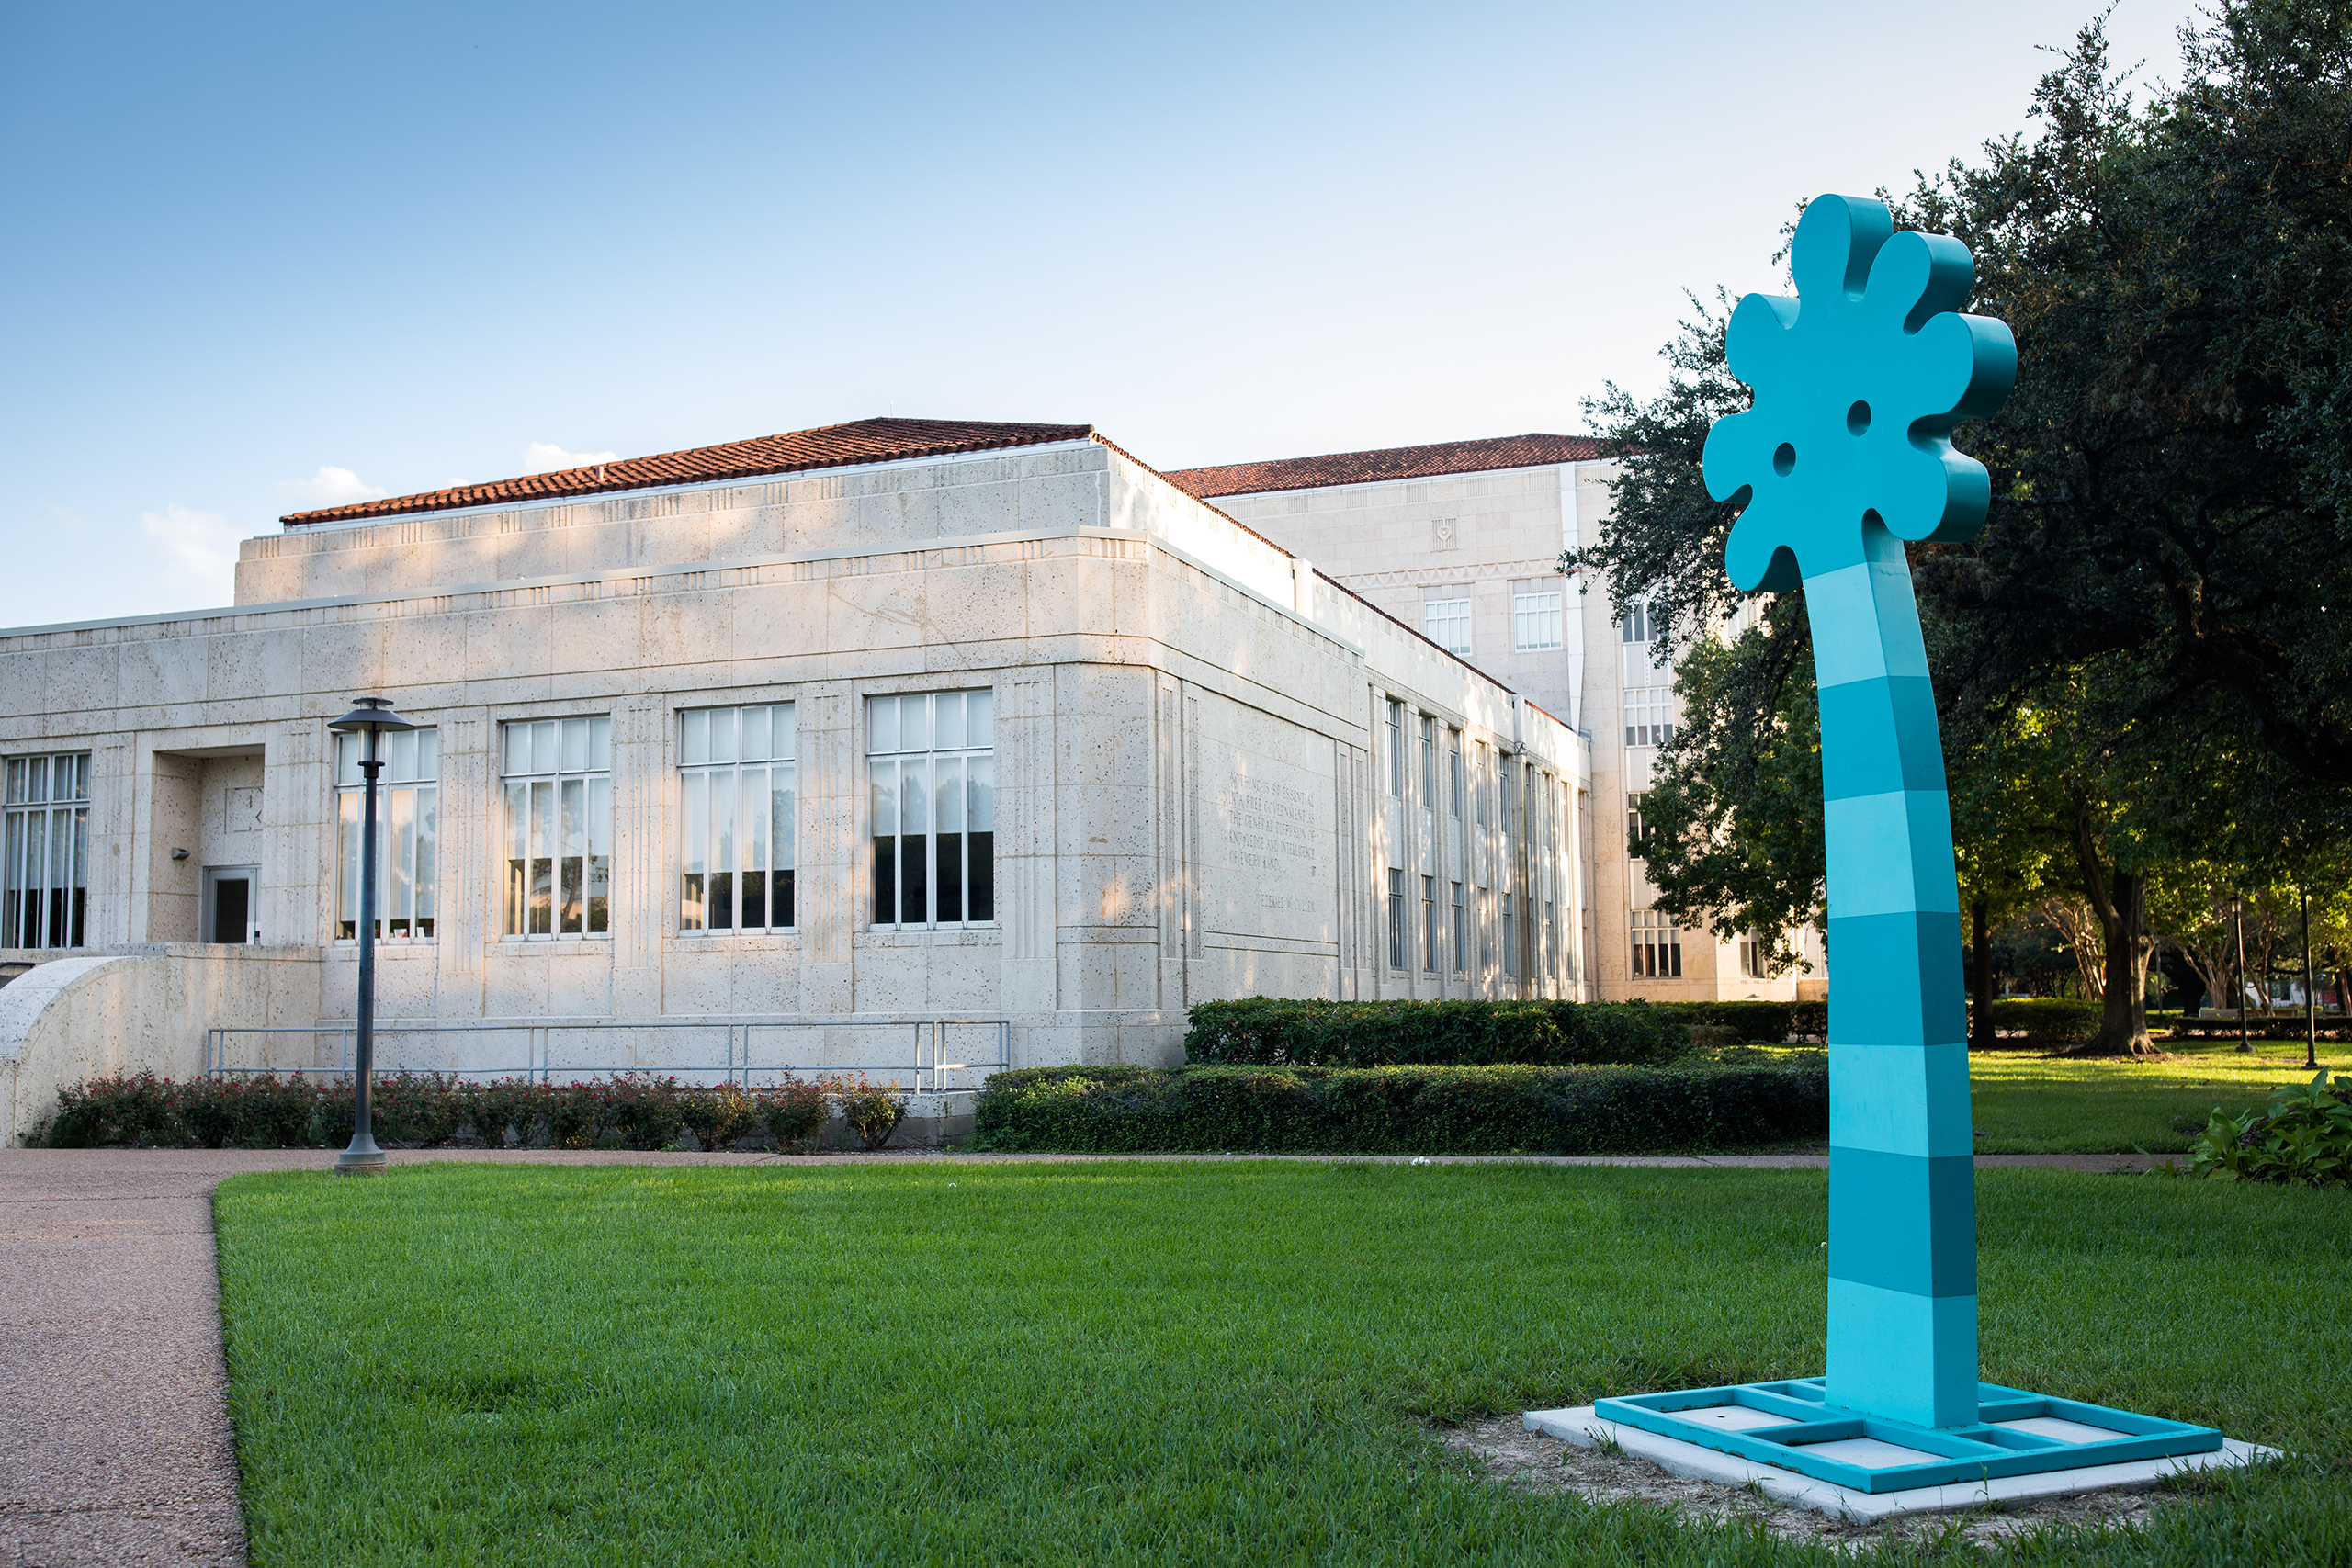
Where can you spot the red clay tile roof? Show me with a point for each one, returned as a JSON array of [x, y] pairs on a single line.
[[828, 447], [1391, 463]]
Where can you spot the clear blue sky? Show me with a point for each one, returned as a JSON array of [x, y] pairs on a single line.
[[259, 259]]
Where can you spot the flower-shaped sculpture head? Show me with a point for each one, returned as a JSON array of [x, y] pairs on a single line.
[[1859, 381]]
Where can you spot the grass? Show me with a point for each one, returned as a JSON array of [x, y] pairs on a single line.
[[1167, 1361], [2029, 1104]]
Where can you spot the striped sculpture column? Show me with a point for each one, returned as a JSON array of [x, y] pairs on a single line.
[[1846, 453]]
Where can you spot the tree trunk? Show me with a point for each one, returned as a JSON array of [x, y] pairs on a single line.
[[1981, 1034], [2119, 899]]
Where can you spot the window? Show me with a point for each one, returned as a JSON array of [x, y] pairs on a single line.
[[1453, 773], [1657, 947], [737, 787], [1396, 748], [1461, 933], [559, 786], [47, 832], [1396, 918], [1751, 958], [1635, 626], [1534, 622], [1636, 830], [1486, 930], [1429, 763], [1510, 937], [931, 760], [1447, 623], [407, 834], [1649, 715], [1429, 924]]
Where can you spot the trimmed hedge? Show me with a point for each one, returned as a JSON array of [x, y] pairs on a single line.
[[1767, 1022], [1512, 1109], [422, 1110], [2045, 1023], [1272, 1032]]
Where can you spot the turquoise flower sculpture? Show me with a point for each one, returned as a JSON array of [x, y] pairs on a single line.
[[1846, 453], [1859, 381]]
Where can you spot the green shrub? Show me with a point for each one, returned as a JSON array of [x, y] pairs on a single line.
[[1281, 1032], [2047, 1023], [873, 1112], [1403, 1110], [426, 1109], [795, 1112], [2303, 1136], [1770, 1023]]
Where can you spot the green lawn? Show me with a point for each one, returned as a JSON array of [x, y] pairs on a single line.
[[1155, 1363], [2029, 1104]]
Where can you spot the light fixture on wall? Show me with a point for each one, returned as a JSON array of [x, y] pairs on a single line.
[[370, 716], [180, 855]]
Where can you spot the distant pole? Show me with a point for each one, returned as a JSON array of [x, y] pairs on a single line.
[[369, 717], [2241, 996], [2311, 997]]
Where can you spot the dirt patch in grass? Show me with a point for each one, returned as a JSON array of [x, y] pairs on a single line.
[[1511, 1455]]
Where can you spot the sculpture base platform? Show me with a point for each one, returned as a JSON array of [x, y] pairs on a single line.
[[1791, 1426], [1583, 1427]]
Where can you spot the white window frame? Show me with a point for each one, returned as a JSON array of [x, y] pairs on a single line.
[[408, 857], [1535, 622], [738, 819], [1656, 946], [556, 787], [1649, 715], [968, 748], [48, 901], [1441, 617]]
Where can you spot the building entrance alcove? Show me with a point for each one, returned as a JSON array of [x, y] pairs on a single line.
[[205, 844]]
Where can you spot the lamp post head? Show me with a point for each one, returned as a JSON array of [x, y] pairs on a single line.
[[370, 712]]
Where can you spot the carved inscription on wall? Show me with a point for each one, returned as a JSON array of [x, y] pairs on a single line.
[[1269, 827]]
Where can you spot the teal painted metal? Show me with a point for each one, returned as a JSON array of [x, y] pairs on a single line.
[[1846, 453], [1800, 1429]]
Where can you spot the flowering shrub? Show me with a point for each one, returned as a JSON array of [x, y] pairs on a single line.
[[873, 1112], [426, 1109], [2304, 1135]]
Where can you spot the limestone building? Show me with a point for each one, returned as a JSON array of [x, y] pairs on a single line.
[[1462, 540], [831, 743]]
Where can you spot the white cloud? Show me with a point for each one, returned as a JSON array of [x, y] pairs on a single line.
[[198, 550], [331, 487], [546, 457]]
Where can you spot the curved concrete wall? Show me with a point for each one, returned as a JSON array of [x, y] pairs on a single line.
[[142, 1011]]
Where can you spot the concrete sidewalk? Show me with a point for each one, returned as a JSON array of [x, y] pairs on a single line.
[[114, 1430]]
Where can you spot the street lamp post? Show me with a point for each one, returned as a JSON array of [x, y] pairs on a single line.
[[370, 718]]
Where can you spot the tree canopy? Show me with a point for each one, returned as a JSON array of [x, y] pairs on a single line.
[[2142, 660]]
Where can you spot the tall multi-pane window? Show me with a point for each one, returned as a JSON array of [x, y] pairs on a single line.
[[1447, 623], [736, 784], [1453, 773], [1461, 933], [1534, 622], [1479, 777], [1657, 947], [1429, 924], [1635, 626], [1396, 918], [407, 834], [1429, 763], [930, 759], [1751, 958], [559, 789], [1649, 715], [1510, 936], [1396, 748], [1636, 830], [46, 834]]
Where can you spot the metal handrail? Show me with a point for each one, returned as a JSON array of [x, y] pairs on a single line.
[[928, 1040]]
